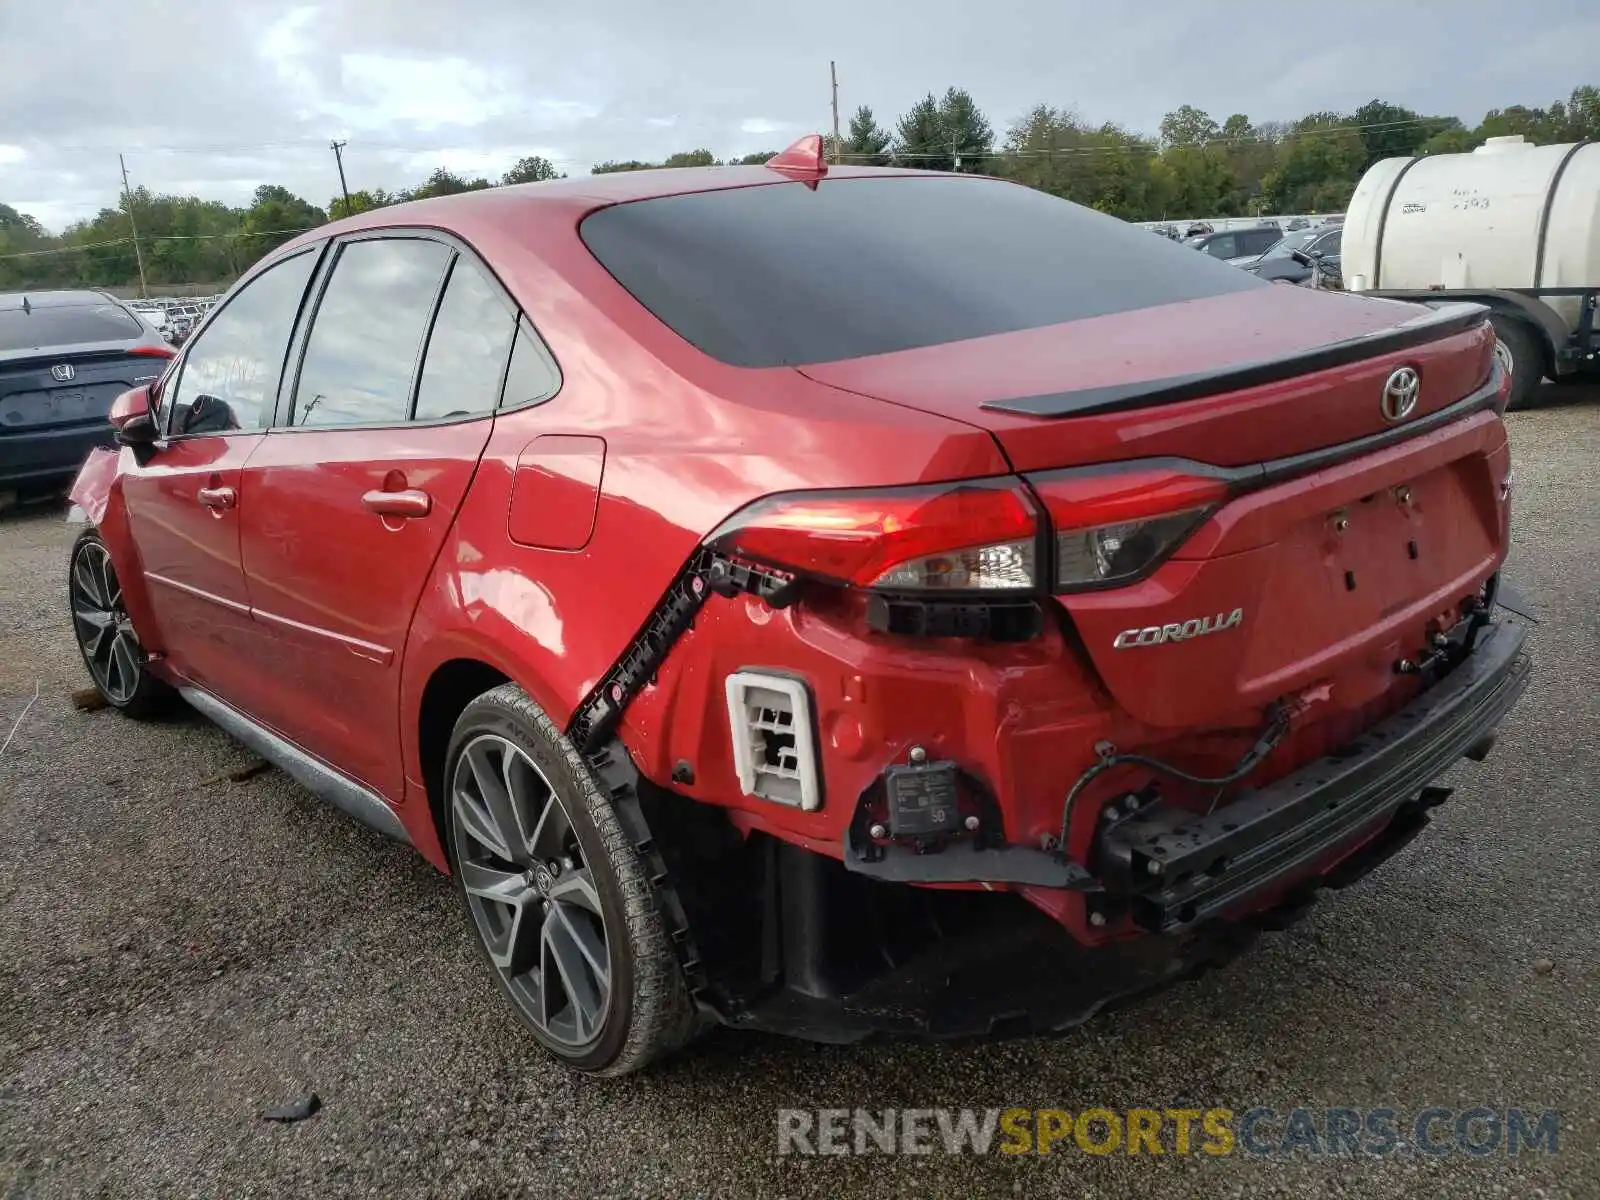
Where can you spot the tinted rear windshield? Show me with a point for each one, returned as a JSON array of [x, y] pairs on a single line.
[[71, 326], [782, 274]]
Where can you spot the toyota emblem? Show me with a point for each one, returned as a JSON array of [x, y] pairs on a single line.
[[1399, 398], [63, 373]]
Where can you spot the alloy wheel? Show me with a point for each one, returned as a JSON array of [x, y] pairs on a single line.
[[531, 892], [104, 631]]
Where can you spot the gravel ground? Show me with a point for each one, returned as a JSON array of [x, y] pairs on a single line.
[[182, 955]]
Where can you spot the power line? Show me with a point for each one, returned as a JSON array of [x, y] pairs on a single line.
[[166, 237]]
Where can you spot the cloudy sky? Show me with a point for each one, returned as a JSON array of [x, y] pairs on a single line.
[[216, 97]]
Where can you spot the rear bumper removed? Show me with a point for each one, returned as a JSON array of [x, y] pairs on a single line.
[[1171, 868], [954, 964]]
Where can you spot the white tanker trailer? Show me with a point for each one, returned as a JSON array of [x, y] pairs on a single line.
[[1511, 225]]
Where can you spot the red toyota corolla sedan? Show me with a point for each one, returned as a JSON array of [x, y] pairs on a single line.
[[832, 601]]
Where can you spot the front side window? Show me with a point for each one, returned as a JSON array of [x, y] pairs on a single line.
[[1222, 246], [467, 349], [362, 349], [230, 373]]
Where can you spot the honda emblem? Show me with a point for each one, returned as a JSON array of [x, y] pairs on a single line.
[[63, 373]]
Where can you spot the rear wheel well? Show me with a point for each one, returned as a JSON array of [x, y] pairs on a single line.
[[452, 687]]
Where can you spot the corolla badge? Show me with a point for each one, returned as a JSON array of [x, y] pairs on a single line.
[[1177, 631]]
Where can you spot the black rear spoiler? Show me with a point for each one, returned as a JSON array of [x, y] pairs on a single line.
[[1429, 326]]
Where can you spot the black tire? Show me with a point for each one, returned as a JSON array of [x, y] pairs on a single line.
[[1518, 346], [105, 635], [647, 1011]]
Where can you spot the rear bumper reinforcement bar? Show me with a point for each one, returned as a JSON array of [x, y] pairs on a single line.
[[1173, 868]]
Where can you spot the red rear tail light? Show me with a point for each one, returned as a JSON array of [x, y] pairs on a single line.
[[973, 536], [1113, 527], [153, 352]]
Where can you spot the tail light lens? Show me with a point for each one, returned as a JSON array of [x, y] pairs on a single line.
[[153, 351], [973, 536], [1114, 527]]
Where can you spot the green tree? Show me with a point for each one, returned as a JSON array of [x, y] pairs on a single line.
[[1390, 131], [758, 159], [1188, 126], [1583, 114], [920, 137], [1539, 125], [611, 166], [867, 144], [691, 158], [1250, 151], [1322, 150], [445, 182], [360, 202], [1450, 141], [934, 133], [1197, 181], [26, 249], [275, 215], [1104, 167], [1238, 128], [966, 129], [532, 169]]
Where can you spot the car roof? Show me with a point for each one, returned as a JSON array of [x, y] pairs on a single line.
[[56, 299], [566, 200]]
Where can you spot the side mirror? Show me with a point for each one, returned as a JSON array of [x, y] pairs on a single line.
[[135, 423]]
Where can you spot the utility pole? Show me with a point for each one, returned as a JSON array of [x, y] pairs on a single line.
[[833, 73], [127, 196], [338, 157]]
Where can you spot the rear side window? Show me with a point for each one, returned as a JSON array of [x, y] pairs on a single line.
[[467, 348], [533, 375], [362, 349], [230, 373], [784, 274], [42, 326]]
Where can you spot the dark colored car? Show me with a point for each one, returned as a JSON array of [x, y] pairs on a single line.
[[64, 356], [1235, 243], [1294, 258], [767, 621]]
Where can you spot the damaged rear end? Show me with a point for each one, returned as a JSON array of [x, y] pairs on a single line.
[[1201, 653]]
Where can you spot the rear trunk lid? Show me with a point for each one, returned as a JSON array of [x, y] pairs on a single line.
[[1353, 527], [1243, 377]]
